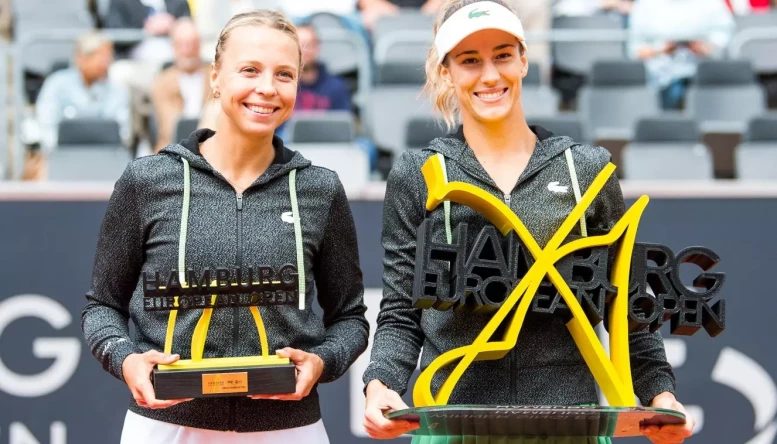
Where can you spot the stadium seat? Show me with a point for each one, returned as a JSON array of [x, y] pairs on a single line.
[[321, 127], [407, 20], [42, 16], [725, 96], [537, 99], [346, 53], [88, 131], [419, 131], [388, 111], [756, 157], [618, 96], [758, 52], [87, 163], [562, 125], [184, 128], [326, 20], [346, 159], [579, 57], [667, 148]]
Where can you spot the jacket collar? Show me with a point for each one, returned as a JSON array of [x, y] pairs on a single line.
[[283, 162], [454, 146]]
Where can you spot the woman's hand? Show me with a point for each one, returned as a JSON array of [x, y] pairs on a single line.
[[380, 399], [309, 369], [137, 370], [669, 434]]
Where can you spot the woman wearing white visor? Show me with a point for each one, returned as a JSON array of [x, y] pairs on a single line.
[[474, 74]]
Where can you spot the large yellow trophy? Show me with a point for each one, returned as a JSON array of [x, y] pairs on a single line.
[[442, 423]]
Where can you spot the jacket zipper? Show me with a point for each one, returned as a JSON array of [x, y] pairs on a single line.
[[235, 312], [507, 199]]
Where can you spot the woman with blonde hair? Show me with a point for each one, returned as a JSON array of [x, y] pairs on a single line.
[[474, 75], [233, 198]]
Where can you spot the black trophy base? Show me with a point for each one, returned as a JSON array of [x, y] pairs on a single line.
[[224, 382], [479, 421]]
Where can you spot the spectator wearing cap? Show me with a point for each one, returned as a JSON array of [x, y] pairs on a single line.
[[82, 91], [179, 92], [671, 36]]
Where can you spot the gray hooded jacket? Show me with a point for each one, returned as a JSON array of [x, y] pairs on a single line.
[[545, 367], [140, 233]]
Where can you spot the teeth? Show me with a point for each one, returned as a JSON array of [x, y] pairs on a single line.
[[490, 96], [260, 109]]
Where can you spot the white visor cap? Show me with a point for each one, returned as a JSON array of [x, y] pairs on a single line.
[[473, 18]]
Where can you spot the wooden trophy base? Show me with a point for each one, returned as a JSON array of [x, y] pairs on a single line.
[[222, 377]]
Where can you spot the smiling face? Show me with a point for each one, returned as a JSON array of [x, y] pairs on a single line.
[[486, 70], [256, 76]]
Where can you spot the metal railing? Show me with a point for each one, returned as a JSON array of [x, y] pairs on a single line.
[[5, 161], [390, 39], [54, 35]]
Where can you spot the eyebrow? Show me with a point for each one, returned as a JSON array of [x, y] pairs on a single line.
[[256, 62], [472, 51]]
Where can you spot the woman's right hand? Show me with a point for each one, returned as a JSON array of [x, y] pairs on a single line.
[[379, 399], [137, 370]]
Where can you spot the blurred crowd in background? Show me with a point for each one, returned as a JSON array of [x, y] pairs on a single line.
[[363, 72]]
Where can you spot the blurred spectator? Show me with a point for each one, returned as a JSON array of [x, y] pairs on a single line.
[[5, 20], [372, 10], [180, 91], [155, 17], [321, 91], [536, 17], [318, 89], [145, 59], [82, 91], [590, 7], [744, 7], [212, 15], [672, 35], [302, 9]]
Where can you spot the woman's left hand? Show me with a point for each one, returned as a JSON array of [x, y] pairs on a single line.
[[309, 369], [669, 434]]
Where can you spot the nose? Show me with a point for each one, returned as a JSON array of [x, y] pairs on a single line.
[[265, 85], [490, 73]]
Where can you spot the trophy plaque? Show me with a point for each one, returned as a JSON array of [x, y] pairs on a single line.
[[201, 377], [504, 272]]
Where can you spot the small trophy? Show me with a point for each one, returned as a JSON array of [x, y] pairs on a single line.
[[201, 377], [643, 292]]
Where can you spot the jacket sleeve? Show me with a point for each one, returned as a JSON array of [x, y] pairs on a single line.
[[117, 265], [651, 372], [340, 291], [399, 337]]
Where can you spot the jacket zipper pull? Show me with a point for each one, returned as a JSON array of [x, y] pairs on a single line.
[[507, 199], [239, 201]]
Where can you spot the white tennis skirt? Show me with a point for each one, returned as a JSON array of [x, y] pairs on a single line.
[[141, 430]]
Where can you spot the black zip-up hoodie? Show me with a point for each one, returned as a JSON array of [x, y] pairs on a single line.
[[545, 367], [140, 232]]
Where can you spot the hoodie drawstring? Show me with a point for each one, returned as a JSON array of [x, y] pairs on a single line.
[[575, 188], [297, 238]]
